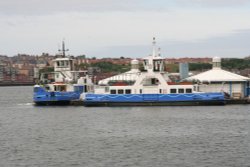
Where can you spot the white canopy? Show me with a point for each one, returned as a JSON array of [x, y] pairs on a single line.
[[218, 75], [127, 76]]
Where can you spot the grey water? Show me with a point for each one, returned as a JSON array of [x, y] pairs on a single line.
[[52, 136]]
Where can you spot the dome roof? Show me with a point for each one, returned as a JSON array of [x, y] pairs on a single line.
[[134, 61], [216, 59]]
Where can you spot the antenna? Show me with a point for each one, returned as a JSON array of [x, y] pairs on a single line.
[[63, 50], [154, 49], [159, 52], [154, 42]]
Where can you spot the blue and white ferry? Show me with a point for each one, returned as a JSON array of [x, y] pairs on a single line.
[[150, 86], [63, 85]]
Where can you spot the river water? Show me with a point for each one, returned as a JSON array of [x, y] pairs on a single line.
[[120, 136]]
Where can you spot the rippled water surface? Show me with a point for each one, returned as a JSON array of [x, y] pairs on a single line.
[[120, 136]]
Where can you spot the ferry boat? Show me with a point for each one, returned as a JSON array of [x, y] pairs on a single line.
[[148, 87], [63, 85]]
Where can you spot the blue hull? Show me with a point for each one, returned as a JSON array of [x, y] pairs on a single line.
[[154, 99], [43, 97]]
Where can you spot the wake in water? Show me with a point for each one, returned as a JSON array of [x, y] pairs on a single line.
[[25, 104]]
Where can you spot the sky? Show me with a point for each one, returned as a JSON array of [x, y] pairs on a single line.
[[114, 28]]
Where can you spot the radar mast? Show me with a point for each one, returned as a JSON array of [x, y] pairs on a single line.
[[63, 50]]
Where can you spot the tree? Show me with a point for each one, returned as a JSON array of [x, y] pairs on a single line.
[[110, 67], [82, 66], [199, 66]]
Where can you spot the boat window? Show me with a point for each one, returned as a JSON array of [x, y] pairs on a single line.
[[157, 65], [181, 90], [47, 87], [188, 90], [58, 64], [78, 89], [150, 82], [120, 91], [140, 91], [106, 89], [113, 91], [128, 91], [154, 81], [172, 90], [36, 89], [160, 91], [62, 88]]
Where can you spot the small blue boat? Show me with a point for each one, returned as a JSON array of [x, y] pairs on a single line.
[[63, 85], [43, 96]]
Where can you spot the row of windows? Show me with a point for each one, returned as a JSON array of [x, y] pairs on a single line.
[[128, 91], [181, 90], [120, 91], [62, 63]]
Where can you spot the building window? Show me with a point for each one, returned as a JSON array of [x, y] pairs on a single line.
[[128, 91], [188, 90], [180, 90], [113, 91], [120, 91], [172, 90]]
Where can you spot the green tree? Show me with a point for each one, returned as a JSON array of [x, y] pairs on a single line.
[[199, 66], [235, 63], [82, 66], [110, 67]]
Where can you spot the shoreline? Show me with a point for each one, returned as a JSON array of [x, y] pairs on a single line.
[[16, 84]]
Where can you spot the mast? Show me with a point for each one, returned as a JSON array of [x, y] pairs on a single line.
[[63, 50], [154, 48], [159, 52]]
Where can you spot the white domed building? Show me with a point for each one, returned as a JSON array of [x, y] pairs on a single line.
[[218, 80], [129, 76]]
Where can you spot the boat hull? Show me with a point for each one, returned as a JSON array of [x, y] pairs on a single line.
[[51, 103], [193, 99], [177, 103], [43, 97]]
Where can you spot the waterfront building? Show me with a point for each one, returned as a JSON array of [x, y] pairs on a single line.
[[183, 69], [1, 71], [218, 80]]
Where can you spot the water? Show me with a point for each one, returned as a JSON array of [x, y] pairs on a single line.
[[120, 136]]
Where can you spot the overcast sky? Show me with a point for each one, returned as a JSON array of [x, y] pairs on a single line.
[[114, 28]]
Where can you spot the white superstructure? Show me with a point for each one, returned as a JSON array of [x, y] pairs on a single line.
[[151, 80], [64, 77]]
